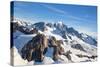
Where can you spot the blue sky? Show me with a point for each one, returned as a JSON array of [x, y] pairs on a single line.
[[82, 18]]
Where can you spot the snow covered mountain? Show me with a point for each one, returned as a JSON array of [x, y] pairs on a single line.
[[48, 43]]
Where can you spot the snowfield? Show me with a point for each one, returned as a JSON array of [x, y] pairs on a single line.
[[17, 58]]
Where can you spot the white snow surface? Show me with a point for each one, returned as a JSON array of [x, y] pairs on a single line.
[[17, 58], [48, 60]]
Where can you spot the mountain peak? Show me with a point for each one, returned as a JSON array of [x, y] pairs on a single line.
[[60, 22]]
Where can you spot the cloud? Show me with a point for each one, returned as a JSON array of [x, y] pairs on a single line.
[[54, 9], [62, 12]]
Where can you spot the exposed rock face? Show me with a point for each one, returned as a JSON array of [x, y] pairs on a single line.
[[56, 44], [35, 49], [50, 25], [40, 26], [67, 54], [77, 46], [88, 39], [23, 29], [90, 57]]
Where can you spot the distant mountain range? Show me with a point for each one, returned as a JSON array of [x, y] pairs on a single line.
[[41, 42]]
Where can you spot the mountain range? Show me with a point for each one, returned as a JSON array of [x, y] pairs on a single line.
[[51, 43]]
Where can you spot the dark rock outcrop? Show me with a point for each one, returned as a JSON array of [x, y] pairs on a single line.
[[90, 57], [23, 29], [58, 49], [67, 54], [78, 46], [35, 49], [40, 26]]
